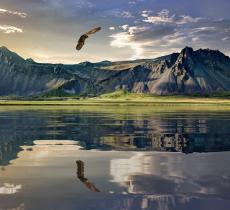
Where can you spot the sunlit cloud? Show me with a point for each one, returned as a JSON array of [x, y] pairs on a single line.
[[124, 27], [6, 29], [164, 33], [145, 13], [121, 39], [137, 29], [177, 37], [112, 28], [9, 12], [126, 39], [163, 17], [147, 25], [203, 29], [227, 38]]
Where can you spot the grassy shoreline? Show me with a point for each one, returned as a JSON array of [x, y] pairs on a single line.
[[117, 98], [148, 101]]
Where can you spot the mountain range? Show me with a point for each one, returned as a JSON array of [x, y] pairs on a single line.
[[203, 71]]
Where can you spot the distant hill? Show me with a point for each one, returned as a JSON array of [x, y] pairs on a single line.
[[189, 72]]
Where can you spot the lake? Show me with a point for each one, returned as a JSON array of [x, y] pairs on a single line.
[[114, 158]]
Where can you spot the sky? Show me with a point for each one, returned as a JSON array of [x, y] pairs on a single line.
[[48, 30]]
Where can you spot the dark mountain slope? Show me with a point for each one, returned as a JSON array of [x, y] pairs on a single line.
[[188, 72]]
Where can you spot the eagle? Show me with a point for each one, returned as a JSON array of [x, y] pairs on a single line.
[[83, 37]]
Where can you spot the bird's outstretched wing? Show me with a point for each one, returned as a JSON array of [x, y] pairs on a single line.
[[93, 31], [81, 41], [83, 37]]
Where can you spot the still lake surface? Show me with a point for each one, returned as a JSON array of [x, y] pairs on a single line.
[[128, 158]]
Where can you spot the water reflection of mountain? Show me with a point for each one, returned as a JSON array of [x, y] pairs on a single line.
[[182, 132], [170, 143], [166, 181], [163, 202], [8, 151]]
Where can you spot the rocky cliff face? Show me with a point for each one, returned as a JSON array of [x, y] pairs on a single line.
[[202, 71], [188, 72]]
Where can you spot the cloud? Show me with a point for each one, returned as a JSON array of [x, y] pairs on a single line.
[[112, 28], [121, 39], [150, 23], [125, 14], [174, 39], [80, 4], [134, 2], [164, 33], [136, 29], [6, 29], [142, 38], [124, 39], [227, 38], [163, 17], [145, 13], [124, 27], [129, 38], [9, 12], [83, 4], [203, 30]]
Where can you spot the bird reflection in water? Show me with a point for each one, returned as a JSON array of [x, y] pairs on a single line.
[[81, 177]]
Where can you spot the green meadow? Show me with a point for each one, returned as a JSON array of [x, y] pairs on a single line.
[[119, 98]]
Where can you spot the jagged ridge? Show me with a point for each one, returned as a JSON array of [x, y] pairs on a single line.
[[188, 72]]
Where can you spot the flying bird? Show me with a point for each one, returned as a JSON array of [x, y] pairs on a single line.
[[83, 37]]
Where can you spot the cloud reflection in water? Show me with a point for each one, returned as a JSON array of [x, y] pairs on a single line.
[[8, 188]]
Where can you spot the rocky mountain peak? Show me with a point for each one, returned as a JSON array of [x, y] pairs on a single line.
[[3, 48], [86, 64], [30, 60], [9, 57], [212, 56], [186, 52], [185, 61]]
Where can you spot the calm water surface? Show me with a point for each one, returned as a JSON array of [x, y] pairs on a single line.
[[128, 158]]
